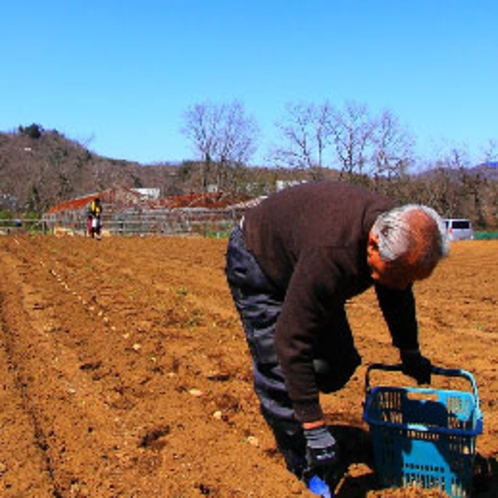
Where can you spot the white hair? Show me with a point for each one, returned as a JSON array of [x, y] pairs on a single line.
[[398, 234]]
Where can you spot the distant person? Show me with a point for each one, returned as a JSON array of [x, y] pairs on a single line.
[[89, 219], [294, 262], [95, 218]]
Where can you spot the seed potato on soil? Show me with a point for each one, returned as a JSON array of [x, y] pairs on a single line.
[[124, 370]]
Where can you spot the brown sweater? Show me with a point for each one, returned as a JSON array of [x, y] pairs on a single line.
[[311, 242]]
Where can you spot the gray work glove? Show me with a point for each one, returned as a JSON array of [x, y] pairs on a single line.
[[417, 366], [322, 451]]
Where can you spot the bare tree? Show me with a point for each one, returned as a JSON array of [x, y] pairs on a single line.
[[392, 146], [490, 151], [306, 136], [222, 135], [444, 186], [238, 135], [352, 128], [458, 157]]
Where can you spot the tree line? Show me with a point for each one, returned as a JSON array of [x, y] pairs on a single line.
[[349, 138], [39, 168], [349, 143]]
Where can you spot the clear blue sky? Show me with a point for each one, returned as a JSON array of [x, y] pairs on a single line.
[[118, 75]]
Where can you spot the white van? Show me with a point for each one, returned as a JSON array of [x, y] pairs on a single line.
[[459, 229]]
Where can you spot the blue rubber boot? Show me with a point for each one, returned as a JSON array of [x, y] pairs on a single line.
[[320, 487]]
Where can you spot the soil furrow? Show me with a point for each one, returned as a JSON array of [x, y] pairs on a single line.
[[125, 371]]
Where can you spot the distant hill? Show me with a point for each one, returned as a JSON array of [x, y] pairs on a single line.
[[40, 168], [488, 171], [485, 171]]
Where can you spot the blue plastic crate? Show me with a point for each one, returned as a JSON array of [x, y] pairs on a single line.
[[424, 437]]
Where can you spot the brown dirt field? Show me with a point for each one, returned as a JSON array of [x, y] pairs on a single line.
[[124, 371]]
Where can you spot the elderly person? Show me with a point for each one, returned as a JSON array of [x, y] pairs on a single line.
[[292, 264]]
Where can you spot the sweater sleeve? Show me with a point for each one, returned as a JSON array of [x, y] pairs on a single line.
[[398, 308], [312, 292]]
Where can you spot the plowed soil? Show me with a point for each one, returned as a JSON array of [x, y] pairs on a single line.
[[124, 370]]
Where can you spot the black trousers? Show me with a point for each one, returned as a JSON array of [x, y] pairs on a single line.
[[259, 304]]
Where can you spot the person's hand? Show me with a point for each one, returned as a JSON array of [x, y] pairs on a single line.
[[322, 451], [417, 366]]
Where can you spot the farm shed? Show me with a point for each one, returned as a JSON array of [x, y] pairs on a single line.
[[128, 212]]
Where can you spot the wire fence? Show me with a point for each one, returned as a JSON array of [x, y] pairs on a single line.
[[205, 222], [21, 225], [199, 221]]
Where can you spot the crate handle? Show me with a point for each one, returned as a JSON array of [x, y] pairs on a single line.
[[448, 372]]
